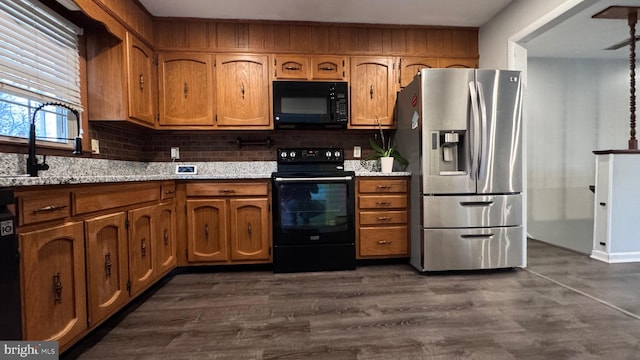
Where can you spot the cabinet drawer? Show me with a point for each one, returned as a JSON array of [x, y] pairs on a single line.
[[105, 197], [381, 218], [43, 206], [167, 191], [383, 241], [382, 186], [382, 202], [227, 189]]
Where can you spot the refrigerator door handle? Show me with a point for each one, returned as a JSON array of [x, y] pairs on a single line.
[[476, 236], [474, 128], [476, 203], [483, 131]]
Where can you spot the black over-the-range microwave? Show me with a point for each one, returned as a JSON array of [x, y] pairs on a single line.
[[310, 104]]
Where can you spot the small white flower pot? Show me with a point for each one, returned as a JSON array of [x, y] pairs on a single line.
[[386, 164]]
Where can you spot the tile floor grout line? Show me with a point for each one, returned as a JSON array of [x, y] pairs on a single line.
[[626, 312]]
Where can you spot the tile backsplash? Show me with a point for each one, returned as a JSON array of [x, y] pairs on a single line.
[[138, 144]]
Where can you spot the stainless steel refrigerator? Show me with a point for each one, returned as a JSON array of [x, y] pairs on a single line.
[[461, 131]]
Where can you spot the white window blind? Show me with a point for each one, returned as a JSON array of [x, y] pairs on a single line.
[[39, 53]]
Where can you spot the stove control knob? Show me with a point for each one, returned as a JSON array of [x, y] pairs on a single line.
[[337, 153], [328, 154], [283, 154], [292, 154]]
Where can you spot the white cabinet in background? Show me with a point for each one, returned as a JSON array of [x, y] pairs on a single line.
[[616, 238]]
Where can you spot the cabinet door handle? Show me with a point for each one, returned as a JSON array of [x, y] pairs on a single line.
[[291, 67], [57, 288], [166, 237], [143, 247], [327, 67], [242, 90], [141, 82], [206, 232], [107, 264], [371, 91], [384, 242], [186, 89], [49, 208], [249, 229]]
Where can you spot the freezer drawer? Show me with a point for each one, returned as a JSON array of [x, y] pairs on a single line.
[[467, 249], [472, 211]]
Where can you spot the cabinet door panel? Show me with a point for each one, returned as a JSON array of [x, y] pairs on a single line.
[[165, 245], [372, 91], [141, 81], [186, 89], [107, 264], [409, 67], [249, 229], [207, 230], [243, 90], [53, 284], [141, 239]]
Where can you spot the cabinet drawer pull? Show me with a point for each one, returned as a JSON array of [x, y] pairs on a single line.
[[384, 242], [383, 203], [107, 264], [57, 288], [143, 247], [383, 186], [384, 218], [50, 208], [227, 191], [168, 192]]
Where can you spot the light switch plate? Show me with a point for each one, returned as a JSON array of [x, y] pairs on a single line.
[[186, 169], [357, 152], [95, 146], [175, 153]]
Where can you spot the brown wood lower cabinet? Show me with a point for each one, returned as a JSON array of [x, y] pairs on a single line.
[[53, 283], [228, 222], [127, 244], [107, 265], [382, 218]]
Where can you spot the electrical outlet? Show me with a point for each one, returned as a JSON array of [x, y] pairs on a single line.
[[175, 153], [95, 146], [357, 152]]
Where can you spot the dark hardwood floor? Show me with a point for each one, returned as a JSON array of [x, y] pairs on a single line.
[[562, 306]]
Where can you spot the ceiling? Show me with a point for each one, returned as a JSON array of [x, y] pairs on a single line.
[[573, 35]]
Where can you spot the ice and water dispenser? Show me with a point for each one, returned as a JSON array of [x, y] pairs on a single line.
[[447, 154]]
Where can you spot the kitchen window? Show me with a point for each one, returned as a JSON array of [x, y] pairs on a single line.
[[39, 63]]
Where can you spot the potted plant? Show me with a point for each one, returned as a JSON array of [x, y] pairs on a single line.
[[386, 153]]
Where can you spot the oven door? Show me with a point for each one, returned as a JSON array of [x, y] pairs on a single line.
[[313, 208]]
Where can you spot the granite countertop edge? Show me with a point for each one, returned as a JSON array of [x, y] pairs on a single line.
[[19, 181]]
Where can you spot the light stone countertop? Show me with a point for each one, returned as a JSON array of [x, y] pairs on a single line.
[[69, 170]]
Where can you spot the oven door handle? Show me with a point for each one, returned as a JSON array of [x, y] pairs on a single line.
[[309, 179]]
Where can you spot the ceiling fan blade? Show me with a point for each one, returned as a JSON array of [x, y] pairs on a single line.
[[621, 44]]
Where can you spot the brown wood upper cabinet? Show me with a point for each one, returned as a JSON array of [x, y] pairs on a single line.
[[409, 66], [314, 67], [242, 89], [121, 76], [186, 90], [373, 92]]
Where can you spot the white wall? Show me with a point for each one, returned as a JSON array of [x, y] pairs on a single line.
[[574, 106]]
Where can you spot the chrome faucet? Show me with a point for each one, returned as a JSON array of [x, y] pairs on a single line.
[[33, 166]]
